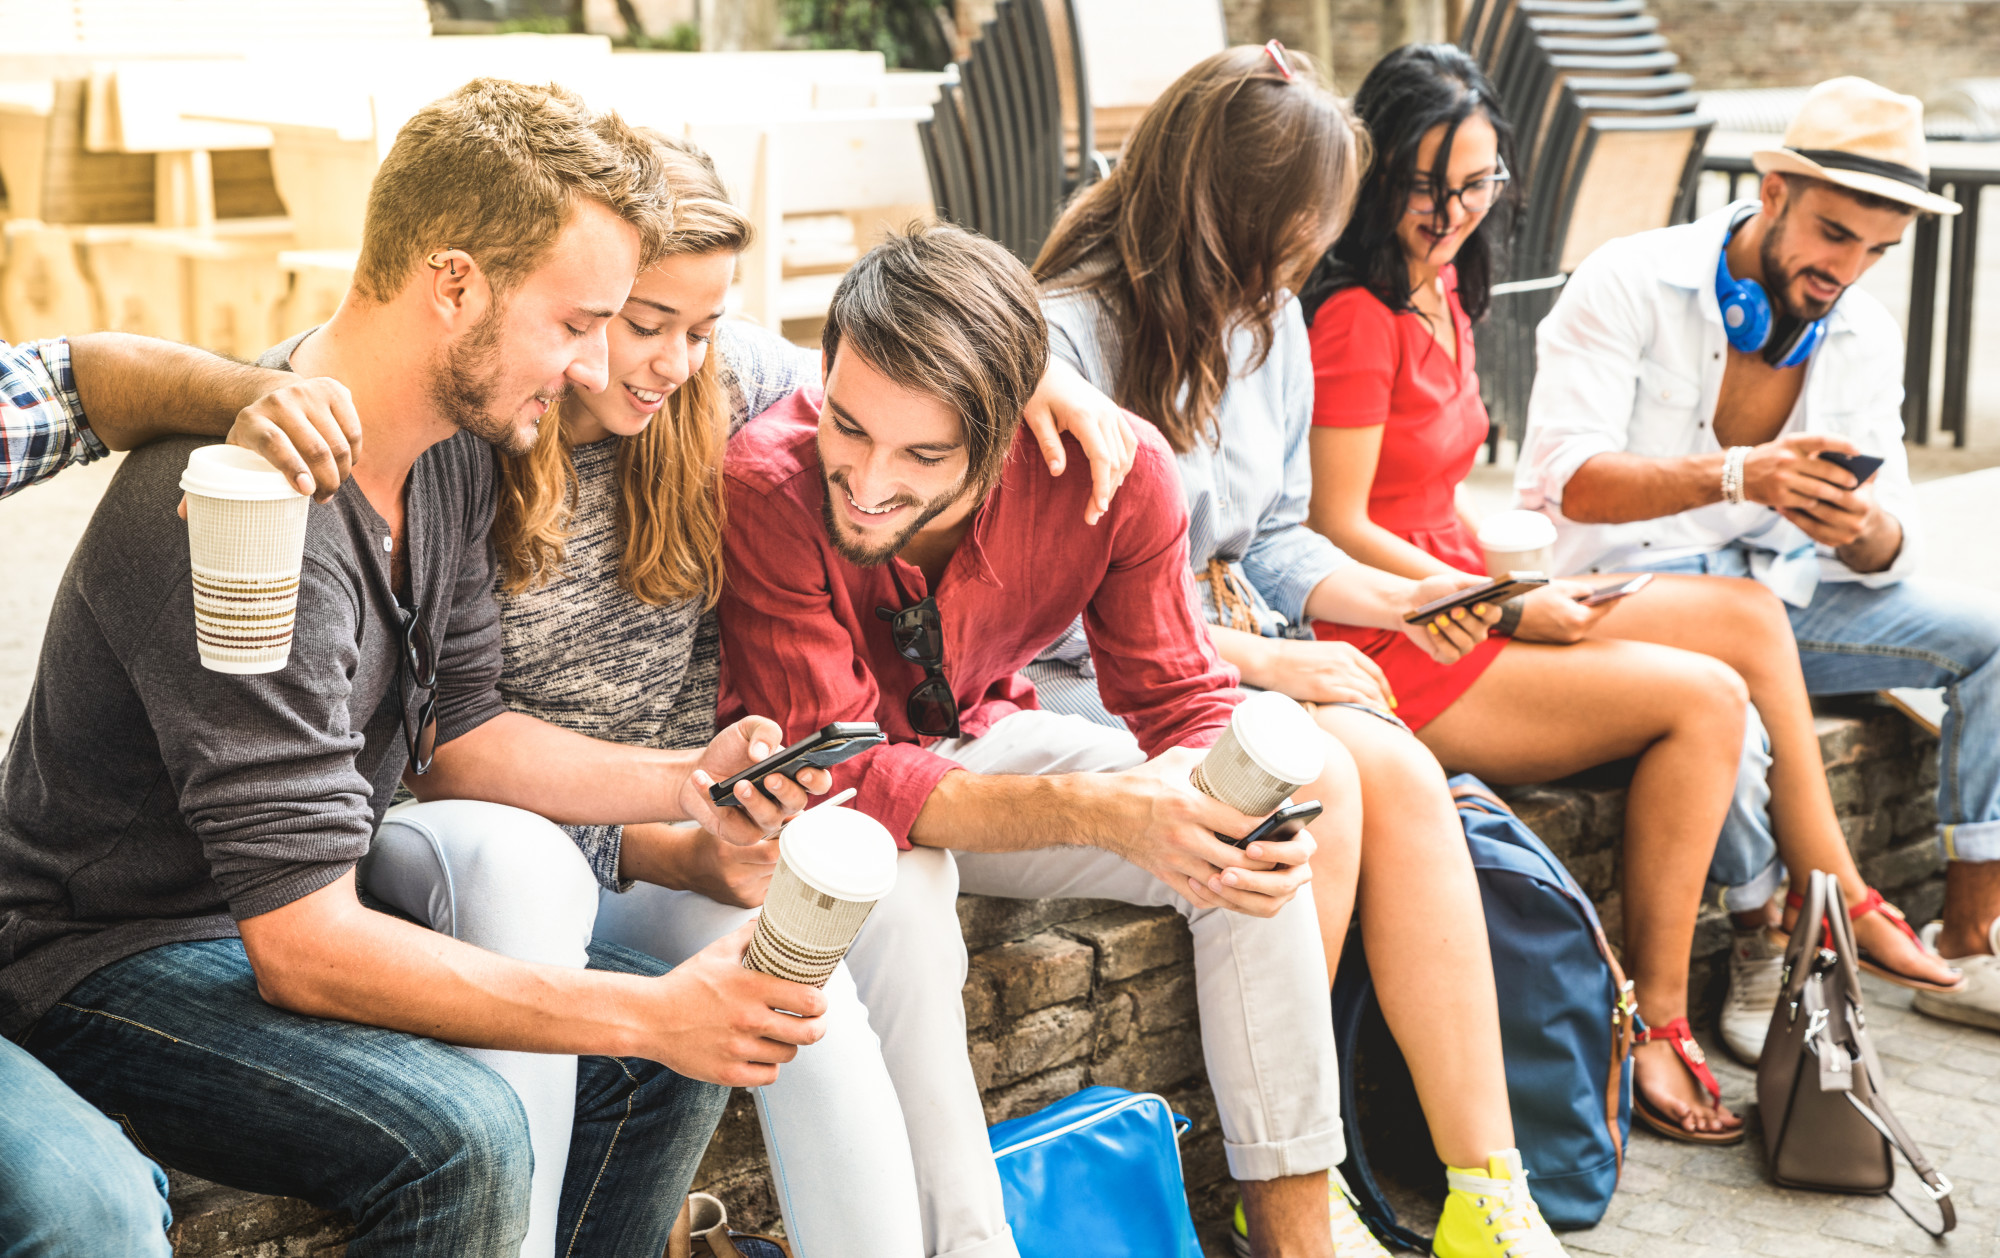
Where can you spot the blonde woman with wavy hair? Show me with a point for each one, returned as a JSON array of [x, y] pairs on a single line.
[[608, 534]]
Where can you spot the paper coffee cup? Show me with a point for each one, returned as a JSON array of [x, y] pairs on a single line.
[[246, 536], [1271, 748], [833, 865], [1518, 541]]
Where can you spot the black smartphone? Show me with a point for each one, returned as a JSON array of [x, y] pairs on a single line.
[[839, 741], [1281, 826], [1860, 466], [1498, 590], [1612, 593]]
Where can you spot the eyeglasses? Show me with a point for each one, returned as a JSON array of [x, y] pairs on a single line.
[[416, 660], [1477, 197], [918, 632]]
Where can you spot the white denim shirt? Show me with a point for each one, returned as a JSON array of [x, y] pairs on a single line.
[[1631, 359]]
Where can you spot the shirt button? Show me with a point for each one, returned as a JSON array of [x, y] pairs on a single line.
[[388, 543]]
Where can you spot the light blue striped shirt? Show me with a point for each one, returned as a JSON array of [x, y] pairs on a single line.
[[1248, 490]]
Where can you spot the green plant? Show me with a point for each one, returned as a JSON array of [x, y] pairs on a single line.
[[908, 33]]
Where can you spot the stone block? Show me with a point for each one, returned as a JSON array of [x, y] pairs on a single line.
[[1165, 1001], [1849, 797], [982, 1000], [1036, 972], [1131, 940], [1904, 866], [1030, 1095], [1114, 1021], [1149, 1063], [211, 1221], [988, 920], [1041, 1041], [1559, 817], [737, 1148]]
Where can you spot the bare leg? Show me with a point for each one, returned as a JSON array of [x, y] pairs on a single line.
[[1287, 1217], [1542, 712], [1337, 862], [1744, 625], [1425, 931]]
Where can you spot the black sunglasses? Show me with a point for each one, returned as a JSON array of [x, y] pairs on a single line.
[[918, 632], [418, 662]]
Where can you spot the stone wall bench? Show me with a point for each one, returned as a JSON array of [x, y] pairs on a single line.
[[1063, 994]]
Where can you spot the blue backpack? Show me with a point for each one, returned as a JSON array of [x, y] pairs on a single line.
[[1566, 1023], [1097, 1173]]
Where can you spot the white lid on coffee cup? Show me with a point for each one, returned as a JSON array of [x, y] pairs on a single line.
[[1279, 736], [1517, 530], [840, 852], [231, 472]]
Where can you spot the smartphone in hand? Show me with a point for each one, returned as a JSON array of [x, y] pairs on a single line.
[[1612, 593], [1281, 826], [842, 740], [1498, 590], [1861, 466]]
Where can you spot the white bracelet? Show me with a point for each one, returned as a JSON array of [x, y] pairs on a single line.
[[1732, 475]]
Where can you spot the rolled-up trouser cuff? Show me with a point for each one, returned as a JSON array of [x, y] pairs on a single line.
[[1745, 897], [1302, 1155], [1001, 1246], [1971, 841]]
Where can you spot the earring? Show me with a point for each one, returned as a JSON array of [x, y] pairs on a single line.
[[437, 262]]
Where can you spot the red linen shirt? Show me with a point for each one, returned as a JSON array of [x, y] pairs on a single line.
[[1374, 368], [803, 645]]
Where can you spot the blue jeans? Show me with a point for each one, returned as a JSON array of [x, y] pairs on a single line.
[[1918, 634], [71, 1184], [423, 1147]]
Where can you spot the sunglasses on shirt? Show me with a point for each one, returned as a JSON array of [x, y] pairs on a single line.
[[416, 662], [918, 632]]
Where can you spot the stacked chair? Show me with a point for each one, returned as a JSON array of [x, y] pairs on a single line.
[[1011, 139], [1609, 137]]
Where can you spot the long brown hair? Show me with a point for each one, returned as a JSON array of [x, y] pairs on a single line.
[[1210, 214], [669, 492]]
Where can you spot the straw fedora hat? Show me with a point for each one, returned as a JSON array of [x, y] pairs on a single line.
[[1863, 136]]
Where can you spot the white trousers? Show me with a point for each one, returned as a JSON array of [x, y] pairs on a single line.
[[1260, 983], [511, 882]]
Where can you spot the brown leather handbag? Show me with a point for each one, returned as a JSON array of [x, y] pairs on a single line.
[[1826, 1123]]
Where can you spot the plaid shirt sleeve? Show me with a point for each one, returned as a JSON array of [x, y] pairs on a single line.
[[42, 428]]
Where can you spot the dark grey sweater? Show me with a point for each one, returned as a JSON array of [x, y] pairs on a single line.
[[146, 800]]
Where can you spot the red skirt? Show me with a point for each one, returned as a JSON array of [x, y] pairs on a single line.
[[1423, 687]]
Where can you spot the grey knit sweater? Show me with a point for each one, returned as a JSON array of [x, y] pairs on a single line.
[[583, 653]]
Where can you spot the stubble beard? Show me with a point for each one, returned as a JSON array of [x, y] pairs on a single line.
[[1781, 293], [870, 557], [462, 387]]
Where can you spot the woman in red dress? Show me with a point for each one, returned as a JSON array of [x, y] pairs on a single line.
[[1560, 686]]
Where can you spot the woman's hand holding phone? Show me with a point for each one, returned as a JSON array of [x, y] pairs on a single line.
[[756, 817], [1556, 613], [1447, 638]]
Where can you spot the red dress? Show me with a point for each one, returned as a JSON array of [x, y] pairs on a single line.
[[1375, 368]]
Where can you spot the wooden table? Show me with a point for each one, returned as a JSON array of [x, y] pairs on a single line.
[[1966, 167]]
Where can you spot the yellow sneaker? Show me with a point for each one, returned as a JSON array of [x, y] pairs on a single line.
[[1492, 1215], [1351, 1237]]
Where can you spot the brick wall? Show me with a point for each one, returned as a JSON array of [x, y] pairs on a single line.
[[1911, 45], [1063, 994]]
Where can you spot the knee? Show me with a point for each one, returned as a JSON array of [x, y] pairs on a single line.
[[1754, 610], [473, 1145], [1708, 693], [439, 859]]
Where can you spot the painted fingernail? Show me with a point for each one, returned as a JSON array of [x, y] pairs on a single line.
[[1433, 628], [1458, 613], [1480, 609]]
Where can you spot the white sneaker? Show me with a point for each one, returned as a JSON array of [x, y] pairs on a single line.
[[1756, 963], [1977, 1003]]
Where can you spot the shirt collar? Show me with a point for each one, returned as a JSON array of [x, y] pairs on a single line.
[[1692, 265]]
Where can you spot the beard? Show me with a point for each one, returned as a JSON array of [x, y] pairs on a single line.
[[463, 385], [1780, 284], [873, 556]]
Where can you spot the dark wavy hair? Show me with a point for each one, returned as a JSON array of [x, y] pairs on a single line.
[[1415, 88]]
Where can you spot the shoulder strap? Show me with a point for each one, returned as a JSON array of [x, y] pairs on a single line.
[[1935, 1185]]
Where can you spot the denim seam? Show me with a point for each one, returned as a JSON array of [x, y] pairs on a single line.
[[1891, 652], [132, 1133], [250, 1066], [631, 1098]]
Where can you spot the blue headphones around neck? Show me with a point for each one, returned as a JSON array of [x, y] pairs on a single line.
[[1747, 319]]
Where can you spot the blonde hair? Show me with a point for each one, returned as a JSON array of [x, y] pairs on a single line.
[[669, 476], [496, 169]]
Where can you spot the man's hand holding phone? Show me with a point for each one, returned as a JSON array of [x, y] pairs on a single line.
[[1153, 818], [758, 814], [1557, 613]]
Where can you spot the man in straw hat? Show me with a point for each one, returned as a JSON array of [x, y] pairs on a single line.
[[1699, 390]]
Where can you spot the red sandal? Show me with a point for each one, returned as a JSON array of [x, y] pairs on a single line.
[[1679, 1036], [1874, 903]]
